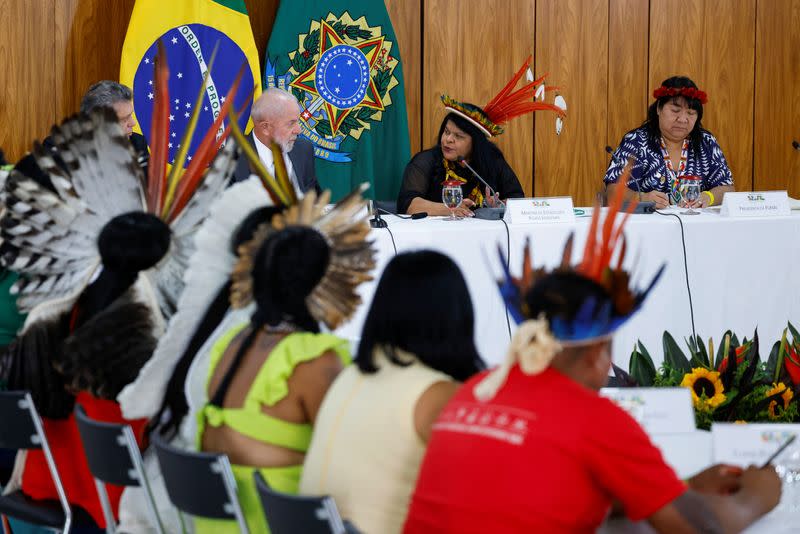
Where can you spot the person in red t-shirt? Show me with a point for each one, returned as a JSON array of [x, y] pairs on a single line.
[[532, 447]]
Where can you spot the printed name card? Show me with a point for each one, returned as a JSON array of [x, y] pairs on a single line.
[[658, 410], [687, 453], [752, 443], [539, 210], [755, 204]]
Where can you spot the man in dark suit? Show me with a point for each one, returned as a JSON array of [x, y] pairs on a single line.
[[104, 93], [276, 121], [118, 97]]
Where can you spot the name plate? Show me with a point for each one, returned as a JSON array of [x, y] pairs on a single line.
[[687, 453], [755, 204], [539, 210], [658, 410], [752, 443]]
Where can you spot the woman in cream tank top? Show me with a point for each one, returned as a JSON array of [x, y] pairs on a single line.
[[416, 347]]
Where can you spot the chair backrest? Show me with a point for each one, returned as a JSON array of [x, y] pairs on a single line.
[[288, 514], [107, 451], [22, 428], [199, 483], [18, 427], [114, 458]]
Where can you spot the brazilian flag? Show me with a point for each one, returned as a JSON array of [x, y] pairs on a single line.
[[190, 31], [341, 60]]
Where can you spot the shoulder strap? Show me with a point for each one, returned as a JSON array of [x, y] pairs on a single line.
[[227, 379], [222, 390]]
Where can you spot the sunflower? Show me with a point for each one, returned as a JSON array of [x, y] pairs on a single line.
[[785, 394], [706, 387]]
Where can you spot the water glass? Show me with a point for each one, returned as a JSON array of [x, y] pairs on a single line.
[[690, 192], [452, 196]]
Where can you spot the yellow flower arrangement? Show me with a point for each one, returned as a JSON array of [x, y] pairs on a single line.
[[785, 393], [706, 387]]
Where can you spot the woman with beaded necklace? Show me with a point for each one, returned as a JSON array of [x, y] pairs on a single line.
[[670, 144]]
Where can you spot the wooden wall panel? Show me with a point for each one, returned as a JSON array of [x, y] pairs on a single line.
[[471, 60], [406, 16], [628, 29], [89, 36], [572, 45], [713, 43], [607, 55], [28, 82], [777, 96]]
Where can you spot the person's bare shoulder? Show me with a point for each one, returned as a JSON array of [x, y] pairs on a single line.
[[430, 404]]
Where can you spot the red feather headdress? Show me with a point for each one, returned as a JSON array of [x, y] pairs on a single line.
[[509, 104]]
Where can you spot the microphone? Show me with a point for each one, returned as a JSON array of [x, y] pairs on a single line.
[[463, 163], [795, 144], [609, 150]]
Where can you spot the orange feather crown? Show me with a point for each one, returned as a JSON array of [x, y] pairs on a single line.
[[508, 104]]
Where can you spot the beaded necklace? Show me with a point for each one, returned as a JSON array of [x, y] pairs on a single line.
[[450, 174], [674, 186]]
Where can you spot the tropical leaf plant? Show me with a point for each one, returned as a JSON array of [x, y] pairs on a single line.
[[739, 386]]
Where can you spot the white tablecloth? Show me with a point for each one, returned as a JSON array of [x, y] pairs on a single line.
[[740, 273]]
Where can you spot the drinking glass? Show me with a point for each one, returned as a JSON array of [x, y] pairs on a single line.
[[452, 196], [690, 191]]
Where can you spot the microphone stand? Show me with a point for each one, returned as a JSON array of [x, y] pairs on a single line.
[[376, 221], [485, 212]]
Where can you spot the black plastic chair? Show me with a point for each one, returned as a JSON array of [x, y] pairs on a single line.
[[114, 458], [199, 483], [289, 514], [21, 429]]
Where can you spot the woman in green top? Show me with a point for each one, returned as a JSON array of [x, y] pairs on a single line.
[[267, 378]]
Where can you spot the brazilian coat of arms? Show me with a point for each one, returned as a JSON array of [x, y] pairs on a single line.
[[341, 73]]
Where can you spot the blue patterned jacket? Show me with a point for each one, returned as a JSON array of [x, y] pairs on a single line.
[[650, 170]]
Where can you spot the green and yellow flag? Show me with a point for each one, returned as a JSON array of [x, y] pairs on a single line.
[[341, 60], [190, 31]]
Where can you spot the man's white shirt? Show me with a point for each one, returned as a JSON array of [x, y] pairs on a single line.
[[265, 155]]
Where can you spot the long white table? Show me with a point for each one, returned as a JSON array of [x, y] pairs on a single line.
[[741, 273]]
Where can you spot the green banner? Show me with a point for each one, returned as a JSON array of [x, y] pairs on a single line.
[[341, 60]]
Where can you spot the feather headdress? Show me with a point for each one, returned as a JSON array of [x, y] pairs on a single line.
[[50, 236], [509, 103], [539, 339], [352, 257], [333, 300]]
